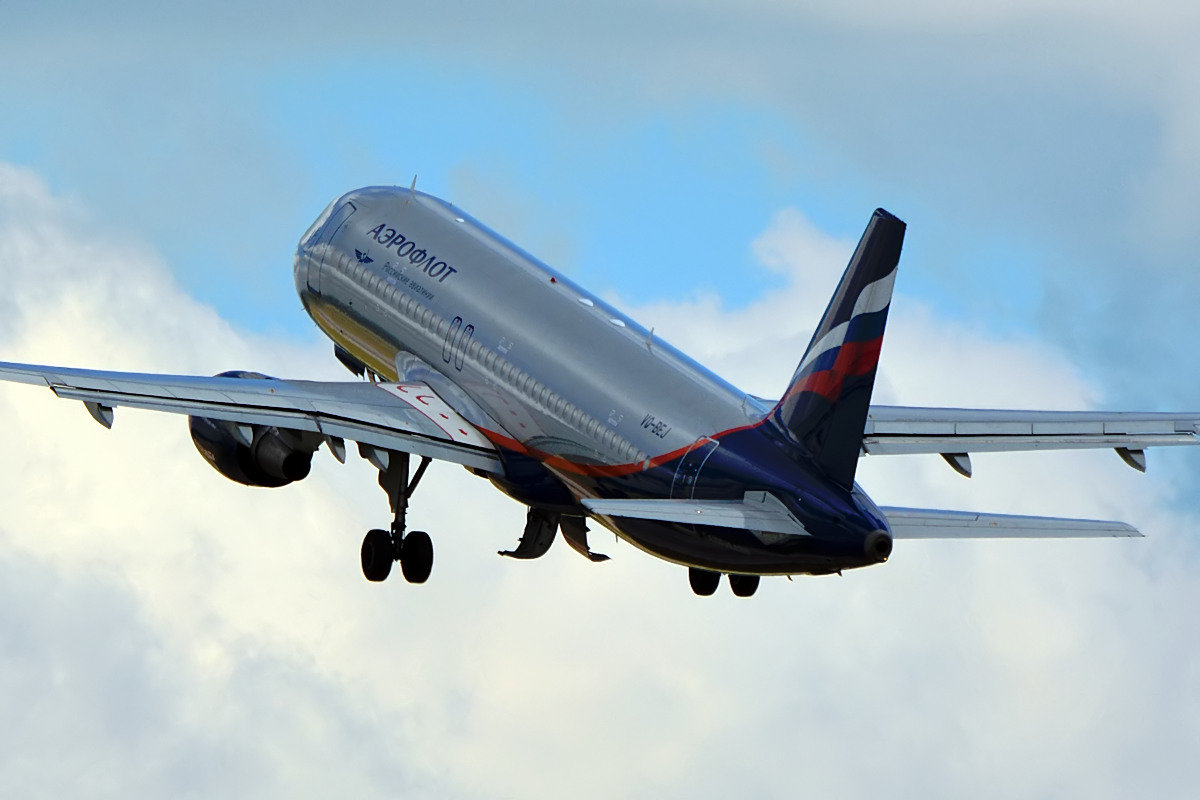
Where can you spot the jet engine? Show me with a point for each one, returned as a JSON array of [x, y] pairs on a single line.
[[273, 457], [254, 455]]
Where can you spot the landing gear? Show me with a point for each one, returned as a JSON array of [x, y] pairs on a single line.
[[378, 553], [380, 548], [416, 557], [743, 585], [703, 582]]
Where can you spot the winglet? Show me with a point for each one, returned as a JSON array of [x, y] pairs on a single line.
[[825, 407]]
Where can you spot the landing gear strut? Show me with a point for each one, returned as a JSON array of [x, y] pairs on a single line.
[[380, 548]]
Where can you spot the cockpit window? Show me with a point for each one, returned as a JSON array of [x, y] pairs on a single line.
[[321, 220]]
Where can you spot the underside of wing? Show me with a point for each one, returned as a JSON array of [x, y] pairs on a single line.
[[920, 523], [405, 417]]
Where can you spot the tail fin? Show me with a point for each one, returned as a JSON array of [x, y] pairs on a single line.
[[825, 407]]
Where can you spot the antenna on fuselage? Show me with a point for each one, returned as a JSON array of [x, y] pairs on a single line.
[[412, 190]]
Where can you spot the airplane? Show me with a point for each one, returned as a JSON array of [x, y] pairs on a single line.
[[469, 350]]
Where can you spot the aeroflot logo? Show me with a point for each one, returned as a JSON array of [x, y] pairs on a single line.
[[429, 263]]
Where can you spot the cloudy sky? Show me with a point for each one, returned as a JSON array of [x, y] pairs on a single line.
[[707, 166]]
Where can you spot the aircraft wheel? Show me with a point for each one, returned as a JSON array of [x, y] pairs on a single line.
[[416, 557], [703, 581], [743, 585], [378, 552]]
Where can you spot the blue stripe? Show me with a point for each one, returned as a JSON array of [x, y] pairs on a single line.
[[866, 327], [821, 362]]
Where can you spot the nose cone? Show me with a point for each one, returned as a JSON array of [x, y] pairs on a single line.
[[300, 267]]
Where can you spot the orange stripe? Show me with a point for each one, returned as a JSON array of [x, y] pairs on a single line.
[[599, 470]]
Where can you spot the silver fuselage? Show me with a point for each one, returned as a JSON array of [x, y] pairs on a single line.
[[415, 289]]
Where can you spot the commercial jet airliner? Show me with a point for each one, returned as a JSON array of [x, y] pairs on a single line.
[[469, 350]]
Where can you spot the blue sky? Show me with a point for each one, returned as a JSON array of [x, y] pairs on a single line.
[[641, 151], [638, 180], [157, 166]]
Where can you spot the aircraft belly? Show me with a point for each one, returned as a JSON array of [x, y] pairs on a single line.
[[373, 349], [731, 550], [831, 544]]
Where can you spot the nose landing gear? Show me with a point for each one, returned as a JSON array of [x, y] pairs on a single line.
[[381, 548]]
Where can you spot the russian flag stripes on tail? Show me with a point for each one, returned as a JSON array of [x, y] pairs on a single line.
[[825, 407]]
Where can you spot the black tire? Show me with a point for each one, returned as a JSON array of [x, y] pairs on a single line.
[[416, 557], [703, 581], [743, 585], [378, 553]]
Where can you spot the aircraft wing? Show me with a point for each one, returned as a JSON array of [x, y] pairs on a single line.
[[921, 523], [405, 417], [892, 430]]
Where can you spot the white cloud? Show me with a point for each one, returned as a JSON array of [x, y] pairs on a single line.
[[1015, 665], [166, 632]]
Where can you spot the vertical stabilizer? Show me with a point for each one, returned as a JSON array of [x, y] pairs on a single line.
[[825, 407]]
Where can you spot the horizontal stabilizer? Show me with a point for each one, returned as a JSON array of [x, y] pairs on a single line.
[[920, 523], [759, 511]]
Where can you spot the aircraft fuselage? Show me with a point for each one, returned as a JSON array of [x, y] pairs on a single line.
[[580, 400]]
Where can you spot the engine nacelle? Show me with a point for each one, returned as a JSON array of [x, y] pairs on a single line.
[[273, 458], [254, 455]]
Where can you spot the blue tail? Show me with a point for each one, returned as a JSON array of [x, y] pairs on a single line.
[[825, 407]]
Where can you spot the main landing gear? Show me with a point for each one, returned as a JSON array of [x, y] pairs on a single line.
[[705, 582], [381, 548]]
